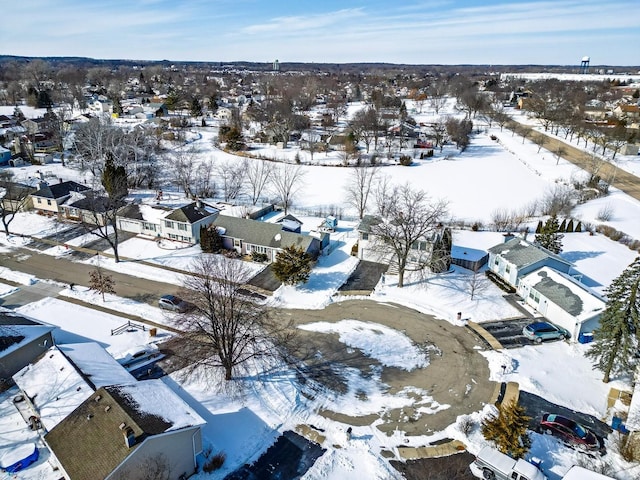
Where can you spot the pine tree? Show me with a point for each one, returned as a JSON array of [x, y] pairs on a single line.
[[293, 265], [578, 227], [539, 227], [616, 339], [196, 107], [569, 226], [114, 179], [563, 226], [210, 239], [441, 252], [549, 236], [508, 429]]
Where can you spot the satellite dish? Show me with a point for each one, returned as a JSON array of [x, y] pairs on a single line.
[[278, 237]]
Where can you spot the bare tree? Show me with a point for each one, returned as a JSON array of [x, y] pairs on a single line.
[[476, 282], [231, 178], [257, 175], [226, 329], [409, 223], [359, 188], [287, 180], [14, 198], [101, 282], [184, 168]]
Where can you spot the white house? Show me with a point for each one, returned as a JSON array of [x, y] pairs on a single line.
[[562, 300], [182, 223], [517, 257]]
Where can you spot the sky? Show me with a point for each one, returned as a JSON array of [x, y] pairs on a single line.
[[505, 32]]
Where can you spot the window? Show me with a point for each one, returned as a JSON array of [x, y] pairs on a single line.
[[258, 249], [365, 236], [496, 261], [149, 226], [168, 224], [182, 226], [39, 200], [236, 242], [48, 202], [535, 296], [507, 268]]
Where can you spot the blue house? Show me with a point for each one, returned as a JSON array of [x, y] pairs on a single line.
[[5, 156], [517, 257]]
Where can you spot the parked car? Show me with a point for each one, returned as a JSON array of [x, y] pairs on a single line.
[[174, 303], [490, 464], [569, 431], [539, 331]]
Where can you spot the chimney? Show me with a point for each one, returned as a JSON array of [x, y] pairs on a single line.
[[508, 236], [59, 180], [129, 437]]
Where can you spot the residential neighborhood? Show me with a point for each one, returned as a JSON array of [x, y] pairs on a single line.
[[235, 271]]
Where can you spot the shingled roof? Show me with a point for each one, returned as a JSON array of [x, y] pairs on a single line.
[[90, 443], [521, 253], [60, 190], [262, 233], [191, 213]]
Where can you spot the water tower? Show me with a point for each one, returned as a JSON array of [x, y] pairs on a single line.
[[584, 65], [276, 66]]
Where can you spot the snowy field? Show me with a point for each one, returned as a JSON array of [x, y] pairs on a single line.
[[488, 176]]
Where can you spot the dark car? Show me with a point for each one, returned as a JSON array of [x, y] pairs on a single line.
[[174, 303], [539, 331], [569, 431]]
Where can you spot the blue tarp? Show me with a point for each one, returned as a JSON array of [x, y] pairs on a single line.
[[23, 462]]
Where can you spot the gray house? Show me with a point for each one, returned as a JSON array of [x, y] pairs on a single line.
[[516, 257], [562, 300], [127, 431], [246, 236], [22, 340]]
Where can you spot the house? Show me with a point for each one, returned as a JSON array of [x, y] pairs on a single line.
[[22, 340], [35, 125], [370, 247], [246, 236], [184, 223], [562, 300], [120, 431], [156, 109], [89, 208], [516, 257], [99, 422], [48, 198], [15, 196], [5, 155]]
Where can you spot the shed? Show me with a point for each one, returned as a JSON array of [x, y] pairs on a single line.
[[469, 258]]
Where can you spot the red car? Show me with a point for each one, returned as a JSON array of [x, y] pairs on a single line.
[[569, 431]]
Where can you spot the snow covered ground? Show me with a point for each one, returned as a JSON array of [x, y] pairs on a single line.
[[488, 176]]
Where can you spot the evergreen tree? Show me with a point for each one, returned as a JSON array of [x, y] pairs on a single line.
[[441, 253], [549, 236], [563, 226], [293, 265], [196, 107], [117, 106], [210, 239], [508, 430], [114, 179], [539, 227], [578, 227], [616, 339], [569, 226]]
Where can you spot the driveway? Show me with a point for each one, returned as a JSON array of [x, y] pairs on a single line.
[[508, 332], [457, 374]]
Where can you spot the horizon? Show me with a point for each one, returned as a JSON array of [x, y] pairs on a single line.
[[436, 32]]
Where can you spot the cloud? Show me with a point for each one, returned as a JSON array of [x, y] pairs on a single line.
[[299, 23]]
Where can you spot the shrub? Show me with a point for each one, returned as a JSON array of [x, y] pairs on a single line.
[[605, 213], [214, 463], [466, 424], [499, 282], [406, 160], [258, 257]]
